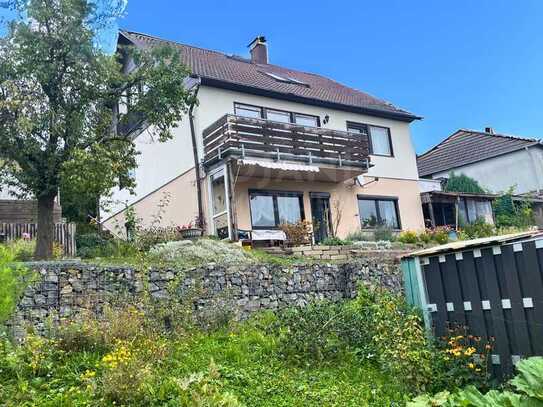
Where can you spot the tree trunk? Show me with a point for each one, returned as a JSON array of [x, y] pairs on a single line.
[[46, 228]]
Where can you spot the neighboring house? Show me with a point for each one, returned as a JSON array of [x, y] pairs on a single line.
[[21, 211], [496, 161], [274, 145]]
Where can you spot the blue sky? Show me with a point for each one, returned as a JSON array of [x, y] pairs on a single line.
[[459, 64]]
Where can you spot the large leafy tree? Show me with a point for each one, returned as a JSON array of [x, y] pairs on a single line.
[[63, 101]]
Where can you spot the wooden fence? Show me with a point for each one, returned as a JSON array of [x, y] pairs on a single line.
[[64, 234], [495, 291]]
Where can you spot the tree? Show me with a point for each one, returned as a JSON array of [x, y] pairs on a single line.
[[63, 101], [463, 183]]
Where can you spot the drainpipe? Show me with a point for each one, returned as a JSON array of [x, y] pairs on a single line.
[[201, 222]]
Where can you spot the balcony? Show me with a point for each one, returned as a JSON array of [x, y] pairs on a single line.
[[286, 147]]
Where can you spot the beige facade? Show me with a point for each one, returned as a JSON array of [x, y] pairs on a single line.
[[398, 175], [406, 192], [177, 198]]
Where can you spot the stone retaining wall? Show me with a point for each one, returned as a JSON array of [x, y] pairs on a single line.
[[358, 250], [65, 290]]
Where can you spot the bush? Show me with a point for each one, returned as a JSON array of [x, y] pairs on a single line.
[[383, 233], [13, 280], [408, 236], [477, 230], [188, 252], [297, 233], [509, 213], [335, 241], [439, 234], [23, 250], [462, 183], [526, 390]]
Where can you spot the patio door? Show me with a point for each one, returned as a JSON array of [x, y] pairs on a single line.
[[321, 216]]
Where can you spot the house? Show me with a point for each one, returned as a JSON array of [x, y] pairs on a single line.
[[268, 145], [21, 211], [497, 162]]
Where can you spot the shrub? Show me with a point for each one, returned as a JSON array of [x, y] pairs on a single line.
[[359, 236], [511, 213], [23, 250], [200, 251], [408, 236], [478, 229], [310, 332], [13, 280], [439, 234], [462, 183], [383, 233], [335, 241], [398, 336], [526, 390], [297, 233]]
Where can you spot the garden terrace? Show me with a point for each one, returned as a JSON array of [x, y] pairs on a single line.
[[243, 137]]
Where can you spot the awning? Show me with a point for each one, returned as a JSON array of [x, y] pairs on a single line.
[[280, 165]]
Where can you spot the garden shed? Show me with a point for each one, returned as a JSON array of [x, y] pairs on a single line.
[[491, 286]]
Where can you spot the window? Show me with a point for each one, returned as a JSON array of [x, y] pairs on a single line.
[[285, 79], [379, 137], [276, 115], [469, 210], [248, 111], [269, 209], [376, 212], [380, 141], [306, 120]]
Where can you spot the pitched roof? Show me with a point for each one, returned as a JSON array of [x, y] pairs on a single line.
[[466, 147], [233, 72]]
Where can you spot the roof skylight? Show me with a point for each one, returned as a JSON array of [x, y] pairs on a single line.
[[285, 79]]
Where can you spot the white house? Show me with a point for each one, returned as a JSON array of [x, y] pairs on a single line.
[[268, 145]]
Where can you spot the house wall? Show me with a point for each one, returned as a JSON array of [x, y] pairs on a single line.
[[523, 169], [181, 209], [407, 192], [160, 163]]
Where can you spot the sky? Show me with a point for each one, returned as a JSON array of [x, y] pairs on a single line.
[[458, 63]]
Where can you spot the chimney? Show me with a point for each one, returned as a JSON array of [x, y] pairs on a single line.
[[489, 130], [259, 50]]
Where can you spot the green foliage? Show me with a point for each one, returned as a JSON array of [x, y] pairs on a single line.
[[140, 365], [23, 250], [477, 229], [526, 390], [60, 94], [13, 280], [408, 236], [463, 183], [510, 213], [336, 241], [383, 233]]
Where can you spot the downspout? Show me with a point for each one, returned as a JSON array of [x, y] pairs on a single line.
[[201, 222]]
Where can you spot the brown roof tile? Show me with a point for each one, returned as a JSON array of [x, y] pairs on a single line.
[[223, 70], [466, 147]]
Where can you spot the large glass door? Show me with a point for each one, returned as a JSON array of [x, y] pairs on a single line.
[[320, 213]]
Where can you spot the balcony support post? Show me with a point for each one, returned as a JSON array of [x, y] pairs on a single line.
[[242, 150], [278, 155], [220, 153], [310, 158], [340, 161]]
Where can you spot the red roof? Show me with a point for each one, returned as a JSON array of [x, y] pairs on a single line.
[[227, 71]]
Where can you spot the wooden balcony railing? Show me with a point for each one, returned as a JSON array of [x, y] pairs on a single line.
[[239, 136]]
